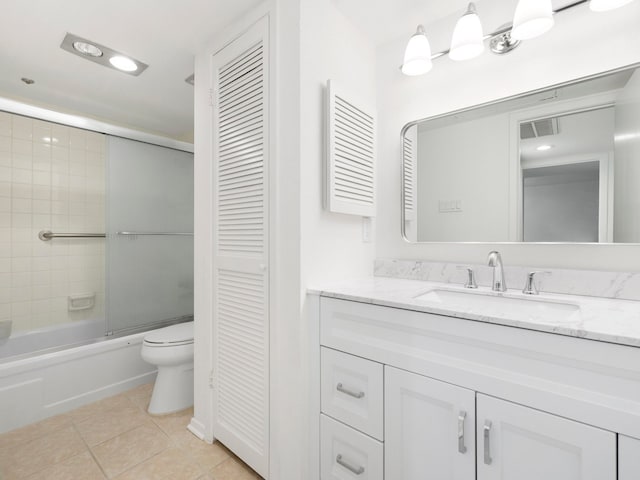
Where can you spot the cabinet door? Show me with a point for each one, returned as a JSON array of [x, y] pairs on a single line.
[[628, 458], [520, 443], [429, 428]]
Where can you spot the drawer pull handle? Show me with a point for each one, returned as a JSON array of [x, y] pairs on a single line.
[[461, 417], [349, 392], [487, 442], [348, 466]]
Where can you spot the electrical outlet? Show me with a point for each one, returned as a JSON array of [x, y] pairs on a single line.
[[449, 206]]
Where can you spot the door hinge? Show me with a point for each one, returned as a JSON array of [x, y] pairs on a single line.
[[211, 379], [211, 96]]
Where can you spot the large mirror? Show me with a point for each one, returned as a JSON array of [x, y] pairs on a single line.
[[558, 165]]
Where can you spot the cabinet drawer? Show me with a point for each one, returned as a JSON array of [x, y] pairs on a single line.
[[346, 454], [352, 391]]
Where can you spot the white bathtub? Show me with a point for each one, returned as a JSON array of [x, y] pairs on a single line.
[[33, 387], [25, 343]]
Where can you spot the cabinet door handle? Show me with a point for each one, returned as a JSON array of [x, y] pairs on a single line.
[[487, 442], [461, 417], [349, 392], [356, 470]]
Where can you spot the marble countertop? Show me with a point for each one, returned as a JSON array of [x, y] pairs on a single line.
[[602, 319]]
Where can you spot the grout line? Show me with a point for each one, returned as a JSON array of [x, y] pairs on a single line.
[[95, 460]]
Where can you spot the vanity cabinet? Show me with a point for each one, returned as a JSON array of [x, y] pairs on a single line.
[[409, 395]]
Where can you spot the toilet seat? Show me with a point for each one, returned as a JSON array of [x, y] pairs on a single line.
[[173, 336]]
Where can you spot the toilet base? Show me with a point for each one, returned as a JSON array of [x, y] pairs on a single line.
[[173, 390]]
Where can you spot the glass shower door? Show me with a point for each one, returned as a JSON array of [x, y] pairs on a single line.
[[149, 235]]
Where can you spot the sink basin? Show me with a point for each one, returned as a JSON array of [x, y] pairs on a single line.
[[507, 306]]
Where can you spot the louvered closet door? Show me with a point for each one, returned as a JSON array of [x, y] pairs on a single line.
[[241, 287]]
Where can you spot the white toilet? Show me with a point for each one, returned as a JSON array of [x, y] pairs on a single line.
[[171, 349]]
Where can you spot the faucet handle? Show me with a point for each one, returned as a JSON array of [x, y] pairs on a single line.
[[471, 277], [530, 287]]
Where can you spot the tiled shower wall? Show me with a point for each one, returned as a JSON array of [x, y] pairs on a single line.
[[52, 177]]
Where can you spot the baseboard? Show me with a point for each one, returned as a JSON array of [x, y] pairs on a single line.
[[199, 430]]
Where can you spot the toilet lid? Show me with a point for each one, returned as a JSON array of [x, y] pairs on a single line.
[[180, 333]]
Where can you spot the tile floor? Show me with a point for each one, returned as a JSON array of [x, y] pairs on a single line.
[[116, 438]]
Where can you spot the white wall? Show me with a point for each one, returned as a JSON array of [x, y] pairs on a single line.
[[627, 163], [570, 50], [331, 245], [466, 162], [331, 48]]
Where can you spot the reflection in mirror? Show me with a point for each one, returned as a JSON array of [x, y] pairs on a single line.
[[559, 165]]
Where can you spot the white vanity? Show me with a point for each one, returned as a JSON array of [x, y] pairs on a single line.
[[415, 389]]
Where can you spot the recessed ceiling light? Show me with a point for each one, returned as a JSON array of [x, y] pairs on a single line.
[[544, 148], [87, 49], [105, 56], [123, 63]]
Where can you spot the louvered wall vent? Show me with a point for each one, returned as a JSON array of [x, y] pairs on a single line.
[[351, 155], [539, 128]]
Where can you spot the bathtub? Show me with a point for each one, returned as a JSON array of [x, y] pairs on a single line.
[[58, 336], [46, 383]]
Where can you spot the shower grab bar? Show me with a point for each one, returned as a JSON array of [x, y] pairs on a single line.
[[46, 235], [154, 233]]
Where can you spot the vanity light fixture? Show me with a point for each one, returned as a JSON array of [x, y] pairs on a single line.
[[467, 41], [417, 55], [605, 5], [532, 18], [102, 55]]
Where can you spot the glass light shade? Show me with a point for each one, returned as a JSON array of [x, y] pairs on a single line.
[[532, 19], [123, 63], [467, 41], [417, 55], [604, 5]]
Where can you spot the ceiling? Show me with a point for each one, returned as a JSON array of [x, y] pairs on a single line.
[[165, 34], [579, 133]]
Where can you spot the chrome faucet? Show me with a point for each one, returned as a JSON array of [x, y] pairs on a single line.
[[498, 284], [471, 277], [530, 287]]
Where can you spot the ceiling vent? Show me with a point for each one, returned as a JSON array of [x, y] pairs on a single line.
[[539, 128]]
